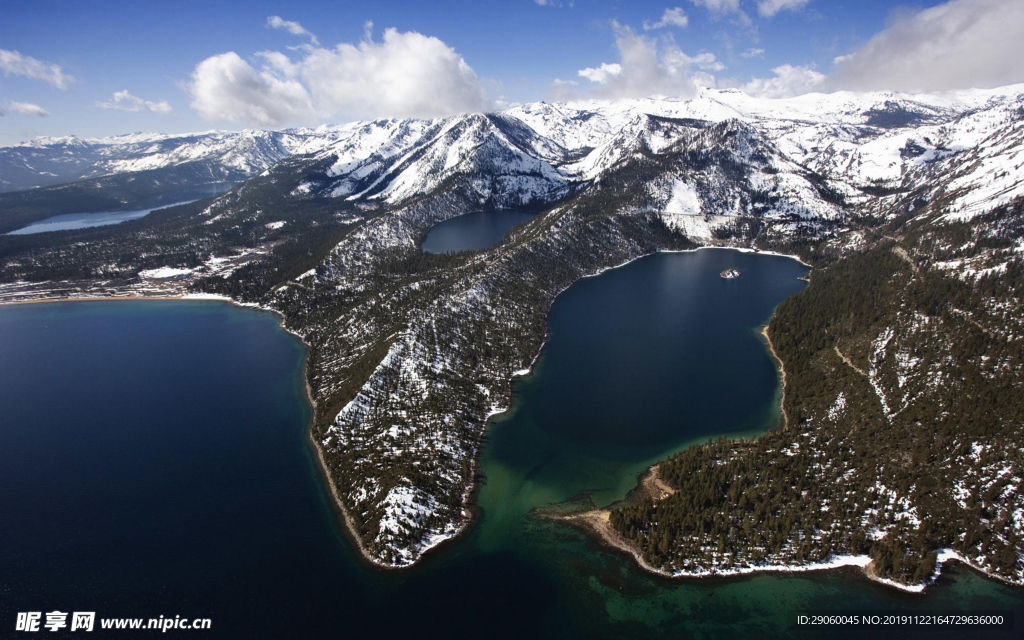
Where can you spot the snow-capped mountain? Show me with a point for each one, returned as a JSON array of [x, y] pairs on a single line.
[[724, 154], [392, 161], [227, 156], [410, 354], [809, 155]]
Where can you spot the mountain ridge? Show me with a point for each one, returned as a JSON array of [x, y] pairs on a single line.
[[410, 352]]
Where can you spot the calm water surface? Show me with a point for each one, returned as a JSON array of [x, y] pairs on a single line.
[[472, 232], [68, 221], [154, 461]]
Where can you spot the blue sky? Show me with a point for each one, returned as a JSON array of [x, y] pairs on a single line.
[[486, 55]]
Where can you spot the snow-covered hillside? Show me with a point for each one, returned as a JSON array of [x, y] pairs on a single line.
[[802, 159], [227, 156], [410, 353], [965, 144]]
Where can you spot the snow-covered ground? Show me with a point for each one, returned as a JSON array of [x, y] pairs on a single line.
[[718, 157], [855, 141]]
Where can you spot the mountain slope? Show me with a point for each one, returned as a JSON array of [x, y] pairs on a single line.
[[228, 156], [409, 352], [903, 396]]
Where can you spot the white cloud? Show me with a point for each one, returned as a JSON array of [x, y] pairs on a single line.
[[404, 75], [753, 53], [645, 69], [724, 8], [280, 63], [28, 109], [124, 101], [225, 87], [674, 17], [294, 28], [769, 8], [13, 63], [703, 60], [788, 81], [704, 79], [602, 74], [956, 45], [720, 7]]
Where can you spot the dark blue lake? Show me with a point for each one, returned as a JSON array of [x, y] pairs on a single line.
[[472, 231], [69, 221], [154, 461]]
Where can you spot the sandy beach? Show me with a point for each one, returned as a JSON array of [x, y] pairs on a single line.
[[782, 375], [95, 298]]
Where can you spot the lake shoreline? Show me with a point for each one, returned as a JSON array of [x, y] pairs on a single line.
[[537, 557], [105, 299], [782, 375], [470, 512], [596, 523], [327, 479]]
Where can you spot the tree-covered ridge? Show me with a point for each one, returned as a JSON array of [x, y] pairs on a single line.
[[409, 352], [414, 350], [242, 244], [905, 417]]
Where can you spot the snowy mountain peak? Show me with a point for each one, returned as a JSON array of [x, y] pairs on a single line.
[[964, 143]]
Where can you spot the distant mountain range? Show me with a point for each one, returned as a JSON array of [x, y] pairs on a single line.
[[802, 155], [908, 207], [226, 156]]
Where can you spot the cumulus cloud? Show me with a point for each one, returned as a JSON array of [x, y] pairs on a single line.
[[294, 28], [29, 109], [13, 63], [225, 87], [404, 75], [280, 63], [788, 81], [601, 74], [674, 17], [124, 101], [647, 68], [956, 45], [752, 53], [768, 8]]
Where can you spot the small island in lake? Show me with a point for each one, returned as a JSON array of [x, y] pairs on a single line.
[[730, 273]]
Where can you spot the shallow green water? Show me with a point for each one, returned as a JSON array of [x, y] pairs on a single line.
[[643, 361], [154, 460]]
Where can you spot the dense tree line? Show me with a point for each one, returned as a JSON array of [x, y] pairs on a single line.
[[921, 456]]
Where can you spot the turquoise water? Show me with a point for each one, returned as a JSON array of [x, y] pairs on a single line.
[[472, 231], [154, 461]]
